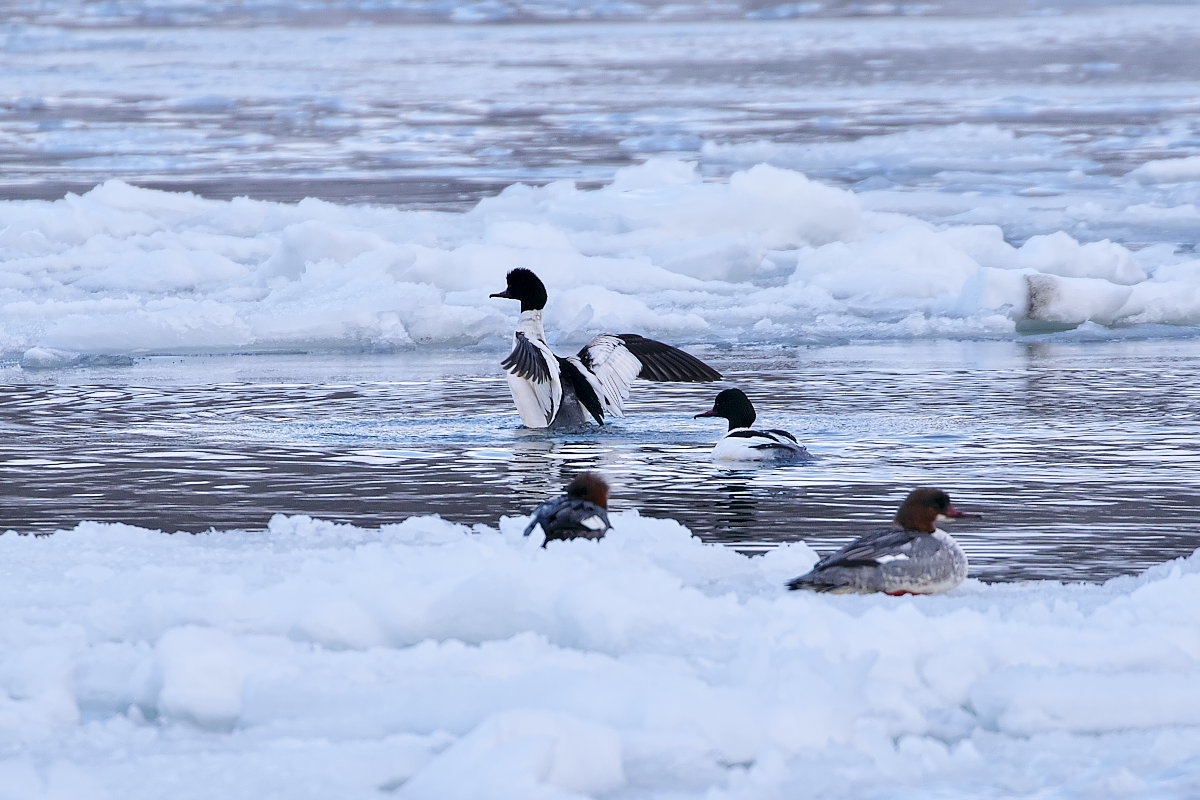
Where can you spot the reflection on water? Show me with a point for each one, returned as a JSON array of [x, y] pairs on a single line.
[[1082, 458]]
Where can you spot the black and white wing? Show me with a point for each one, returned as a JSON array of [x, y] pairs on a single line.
[[533, 376], [613, 361], [662, 362], [610, 369], [876, 549], [893, 561], [526, 360], [860, 565], [584, 386], [569, 518], [752, 444]]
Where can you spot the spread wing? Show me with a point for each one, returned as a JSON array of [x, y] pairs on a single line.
[[616, 360], [526, 360], [662, 362], [613, 366]]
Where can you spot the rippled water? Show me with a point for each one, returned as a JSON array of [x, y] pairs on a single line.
[[439, 116], [1082, 457]]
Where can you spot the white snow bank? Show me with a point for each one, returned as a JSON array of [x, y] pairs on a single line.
[[48, 358], [1169, 170], [766, 255], [425, 659]]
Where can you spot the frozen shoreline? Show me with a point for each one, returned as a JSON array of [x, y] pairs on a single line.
[[769, 256], [432, 660]]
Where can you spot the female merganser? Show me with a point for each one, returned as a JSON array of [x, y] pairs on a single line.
[[744, 443], [581, 513], [916, 559], [560, 392]]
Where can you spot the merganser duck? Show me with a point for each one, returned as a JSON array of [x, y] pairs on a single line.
[[581, 513], [561, 392], [916, 559], [744, 443]]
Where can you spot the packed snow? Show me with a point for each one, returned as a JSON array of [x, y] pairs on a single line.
[[769, 255], [820, 181], [428, 660]]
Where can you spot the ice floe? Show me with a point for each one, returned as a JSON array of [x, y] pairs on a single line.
[[768, 254], [430, 660]]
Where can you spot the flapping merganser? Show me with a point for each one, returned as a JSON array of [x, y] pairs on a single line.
[[916, 559], [744, 443], [581, 513], [561, 392]]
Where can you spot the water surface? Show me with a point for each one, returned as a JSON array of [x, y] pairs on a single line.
[[1081, 457], [438, 116]]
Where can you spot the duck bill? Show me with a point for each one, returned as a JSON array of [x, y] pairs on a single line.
[[503, 294], [712, 412], [954, 513]]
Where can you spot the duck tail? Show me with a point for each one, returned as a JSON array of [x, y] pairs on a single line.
[[814, 584]]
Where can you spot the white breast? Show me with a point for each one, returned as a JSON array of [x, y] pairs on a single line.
[[537, 401], [956, 562], [760, 446]]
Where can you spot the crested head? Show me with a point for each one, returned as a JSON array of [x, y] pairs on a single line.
[[924, 508], [523, 285], [733, 405], [589, 486]]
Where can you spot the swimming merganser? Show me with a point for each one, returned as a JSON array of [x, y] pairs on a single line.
[[916, 559], [561, 392], [744, 443], [581, 513]]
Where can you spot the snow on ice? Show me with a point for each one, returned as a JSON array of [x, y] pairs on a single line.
[[767, 255], [428, 660]]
